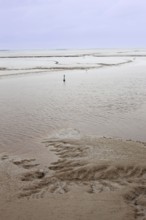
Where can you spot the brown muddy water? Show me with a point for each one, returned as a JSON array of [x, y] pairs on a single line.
[[102, 96]]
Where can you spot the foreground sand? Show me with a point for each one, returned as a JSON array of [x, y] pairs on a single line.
[[92, 178]]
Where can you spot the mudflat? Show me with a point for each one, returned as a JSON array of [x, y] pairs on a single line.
[[92, 178], [73, 150]]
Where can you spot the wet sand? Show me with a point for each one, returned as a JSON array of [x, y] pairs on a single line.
[[92, 178], [73, 157]]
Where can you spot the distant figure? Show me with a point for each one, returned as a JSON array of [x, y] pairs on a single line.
[[63, 78]]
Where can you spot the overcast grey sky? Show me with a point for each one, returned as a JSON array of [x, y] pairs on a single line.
[[45, 24]]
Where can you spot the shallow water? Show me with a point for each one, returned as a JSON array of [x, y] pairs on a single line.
[[108, 101]]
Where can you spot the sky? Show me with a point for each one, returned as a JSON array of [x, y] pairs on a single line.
[[72, 24]]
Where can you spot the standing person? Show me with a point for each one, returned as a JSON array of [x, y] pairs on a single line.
[[63, 78]]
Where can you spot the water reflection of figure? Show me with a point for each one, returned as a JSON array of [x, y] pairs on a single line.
[[63, 78]]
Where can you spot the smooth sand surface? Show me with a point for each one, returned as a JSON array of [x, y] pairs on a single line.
[[91, 178]]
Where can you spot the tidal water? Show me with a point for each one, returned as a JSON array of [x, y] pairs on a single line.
[[108, 101]]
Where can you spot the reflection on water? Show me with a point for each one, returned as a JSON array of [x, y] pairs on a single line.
[[105, 102]]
